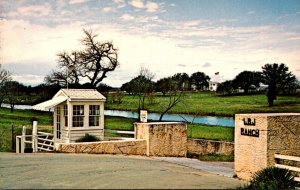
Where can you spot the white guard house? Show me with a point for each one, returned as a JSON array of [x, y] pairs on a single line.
[[76, 112]]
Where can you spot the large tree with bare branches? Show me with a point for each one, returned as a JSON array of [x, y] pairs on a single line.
[[92, 63]]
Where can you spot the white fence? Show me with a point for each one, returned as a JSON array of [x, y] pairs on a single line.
[[120, 132], [39, 141], [291, 168]]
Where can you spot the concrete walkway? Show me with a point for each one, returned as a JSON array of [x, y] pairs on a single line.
[[87, 171], [220, 168]]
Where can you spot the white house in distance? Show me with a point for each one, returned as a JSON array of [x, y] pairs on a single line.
[[213, 86], [75, 113]]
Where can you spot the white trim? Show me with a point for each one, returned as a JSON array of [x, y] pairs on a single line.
[[47, 105]]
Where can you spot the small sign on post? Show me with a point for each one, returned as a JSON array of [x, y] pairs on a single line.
[[143, 116]]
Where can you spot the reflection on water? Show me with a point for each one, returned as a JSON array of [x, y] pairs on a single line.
[[208, 120]]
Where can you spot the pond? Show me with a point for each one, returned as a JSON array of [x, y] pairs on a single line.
[[208, 120]]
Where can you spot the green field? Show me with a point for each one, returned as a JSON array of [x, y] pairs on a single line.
[[204, 103], [208, 103], [17, 119], [21, 118]]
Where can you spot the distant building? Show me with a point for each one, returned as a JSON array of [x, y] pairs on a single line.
[[213, 86]]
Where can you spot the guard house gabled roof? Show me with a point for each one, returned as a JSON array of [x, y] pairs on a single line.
[[80, 94], [70, 95]]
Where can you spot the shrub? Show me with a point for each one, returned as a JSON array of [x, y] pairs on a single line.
[[272, 178], [88, 138]]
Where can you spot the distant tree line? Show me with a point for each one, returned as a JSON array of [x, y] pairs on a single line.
[[179, 81], [276, 77]]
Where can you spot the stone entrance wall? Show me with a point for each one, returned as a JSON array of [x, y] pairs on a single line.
[[205, 147], [152, 139], [132, 147], [163, 138], [259, 136]]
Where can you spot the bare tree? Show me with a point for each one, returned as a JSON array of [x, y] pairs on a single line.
[[143, 85], [92, 63], [174, 98]]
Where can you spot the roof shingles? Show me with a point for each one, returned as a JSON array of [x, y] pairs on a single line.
[[83, 94]]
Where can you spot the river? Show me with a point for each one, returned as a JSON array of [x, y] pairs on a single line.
[[208, 120]]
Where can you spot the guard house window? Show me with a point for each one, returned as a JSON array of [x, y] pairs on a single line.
[[66, 115], [94, 115], [78, 115]]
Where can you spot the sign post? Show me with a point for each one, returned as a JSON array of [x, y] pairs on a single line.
[[143, 116]]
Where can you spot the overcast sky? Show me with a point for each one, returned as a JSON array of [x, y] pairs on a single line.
[[167, 36]]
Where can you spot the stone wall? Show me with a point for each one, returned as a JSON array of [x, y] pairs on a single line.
[[205, 147], [132, 147], [163, 138], [259, 136]]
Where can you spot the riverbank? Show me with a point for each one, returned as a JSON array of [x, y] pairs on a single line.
[[210, 104]]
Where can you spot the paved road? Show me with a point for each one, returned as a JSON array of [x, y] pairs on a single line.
[[57, 171], [220, 168]]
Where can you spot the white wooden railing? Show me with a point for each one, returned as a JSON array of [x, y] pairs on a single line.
[[120, 132], [40, 141], [291, 168]]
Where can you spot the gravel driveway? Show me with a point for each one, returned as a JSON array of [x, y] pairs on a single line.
[[61, 171]]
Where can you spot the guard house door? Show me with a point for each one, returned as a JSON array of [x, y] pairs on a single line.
[[58, 123]]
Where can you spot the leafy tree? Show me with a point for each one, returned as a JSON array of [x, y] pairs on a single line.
[[247, 78], [141, 86], [182, 81], [226, 87], [13, 90], [128, 87], [104, 87], [4, 77], [92, 63], [165, 85], [200, 80], [275, 76]]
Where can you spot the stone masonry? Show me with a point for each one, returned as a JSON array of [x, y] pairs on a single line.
[[259, 136], [163, 138], [132, 147], [205, 147]]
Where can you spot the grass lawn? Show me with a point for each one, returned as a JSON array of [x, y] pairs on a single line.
[[21, 118], [208, 103], [18, 119]]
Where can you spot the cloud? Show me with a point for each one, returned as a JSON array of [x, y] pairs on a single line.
[[109, 9], [206, 65], [151, 6], [78, 1], [191, 23], [32, 11], [250, 12], [120, 3], [139, 4], [29, 79], [127, 17]]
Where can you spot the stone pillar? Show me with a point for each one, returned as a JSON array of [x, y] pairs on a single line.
[[163, 138], [259, 136]]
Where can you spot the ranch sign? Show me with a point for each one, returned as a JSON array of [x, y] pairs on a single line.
[[249, 132]]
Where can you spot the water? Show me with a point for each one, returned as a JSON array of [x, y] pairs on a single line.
[[208, 120]]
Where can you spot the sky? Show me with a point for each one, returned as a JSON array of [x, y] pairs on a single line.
[[165, 36]]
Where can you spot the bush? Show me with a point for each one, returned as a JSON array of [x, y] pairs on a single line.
[[88, 138], [272, 178]]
